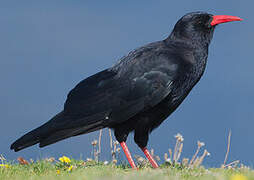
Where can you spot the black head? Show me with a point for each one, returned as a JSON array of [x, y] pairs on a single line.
[[194, 26], [199, 26]]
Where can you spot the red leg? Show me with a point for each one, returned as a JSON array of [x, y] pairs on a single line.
[[150, 157], [128, 155]]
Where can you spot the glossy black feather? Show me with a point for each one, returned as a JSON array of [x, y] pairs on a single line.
[[138, 92]]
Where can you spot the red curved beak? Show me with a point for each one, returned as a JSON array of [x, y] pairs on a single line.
[[218, 19]]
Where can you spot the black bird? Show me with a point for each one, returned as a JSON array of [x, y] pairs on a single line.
[[137, 93]]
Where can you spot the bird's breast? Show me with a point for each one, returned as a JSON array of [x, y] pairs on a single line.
[[186, 80]]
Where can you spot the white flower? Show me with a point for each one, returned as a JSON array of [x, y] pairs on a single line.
[[179, 137], [200, 144]]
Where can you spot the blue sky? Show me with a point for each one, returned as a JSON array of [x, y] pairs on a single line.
[[47, 47]]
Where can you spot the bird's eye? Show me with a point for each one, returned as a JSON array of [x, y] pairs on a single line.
[[203, 24]]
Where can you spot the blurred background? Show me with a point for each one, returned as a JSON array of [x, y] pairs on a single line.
[[47, 47]]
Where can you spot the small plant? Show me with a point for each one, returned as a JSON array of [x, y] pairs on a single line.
[[173, 158], [3, 163], [174, 164], [114, 146], [64, 164], [233, 164]]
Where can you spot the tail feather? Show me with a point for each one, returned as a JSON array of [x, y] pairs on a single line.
[[63, 134], [50, 133], [27, 140], [34, 136]]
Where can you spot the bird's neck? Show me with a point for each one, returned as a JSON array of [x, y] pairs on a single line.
[[197, 45], [194, 53]]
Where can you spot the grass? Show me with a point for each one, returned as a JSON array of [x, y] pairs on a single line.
[[45, 169], [173, 167]]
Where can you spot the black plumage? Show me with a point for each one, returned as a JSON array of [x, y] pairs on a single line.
[[136, 94]]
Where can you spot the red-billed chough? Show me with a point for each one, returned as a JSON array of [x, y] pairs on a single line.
[[139, 92]]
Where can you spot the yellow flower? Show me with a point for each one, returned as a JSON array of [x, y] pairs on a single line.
[[70, 168], [4, 165], [64, 159], [57, 171], [238, 177]]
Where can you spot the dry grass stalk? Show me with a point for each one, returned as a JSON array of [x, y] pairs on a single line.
[[114, 147], [200, 144], [175, 149], [206, 153], [141, 161], [111, 139], [195, 162], [111, 144], [51, 159], [166, 159], [178, 147], [100, 135], [157, 158], [179, 152], [95, 151], [152, 152], [199, 160], [185, 162], [99, 144], [114, 151], [114, 161], [170, 153], [175, 156], [154, 156], [228, 148], [232, 164], [2, 159]]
